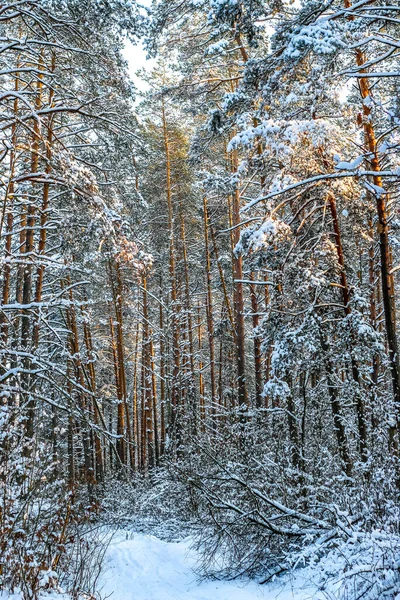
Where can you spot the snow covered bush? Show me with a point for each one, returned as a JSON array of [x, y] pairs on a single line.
[[161, 504], [257, 516], [45, 542]]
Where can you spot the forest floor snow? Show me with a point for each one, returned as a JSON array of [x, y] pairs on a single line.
[[143, 567]]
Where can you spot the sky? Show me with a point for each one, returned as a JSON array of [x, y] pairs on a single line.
[[136, 57]]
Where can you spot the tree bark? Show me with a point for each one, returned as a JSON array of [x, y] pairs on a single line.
[[361, 421], [381, 199], [257, 345], [210, 320], [238, 295], [175, 392]]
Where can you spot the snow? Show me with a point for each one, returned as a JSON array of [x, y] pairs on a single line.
[[324, 37], [350, 166], [52, 596], [146, 568], [142, 567]]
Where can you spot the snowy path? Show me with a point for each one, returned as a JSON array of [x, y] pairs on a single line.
[[146, 568]]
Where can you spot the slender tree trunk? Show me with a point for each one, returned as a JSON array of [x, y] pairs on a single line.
[[293, 431], [28, 262], [135, 407], [257, 345], [373, 322], [70, 434], [210, 321], [175, 392], [192, 395], [162, 381], [148, 382], [382, 200], [93, 386], [154, 401], [361, 421], [8, 210], [202, 412], [82, 400], [120, 410], [222, 279], [143, 437], [336, 410], [238, 294], [44, 216]]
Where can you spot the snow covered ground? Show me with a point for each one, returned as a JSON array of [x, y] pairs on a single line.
[[146, 568], [142, 567]]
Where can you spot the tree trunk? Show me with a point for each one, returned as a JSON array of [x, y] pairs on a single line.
[[336, 409], [361, 421], [257, 344], [148, 382], [210, 321], [238, 295], [382, 199], [175, 392]]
